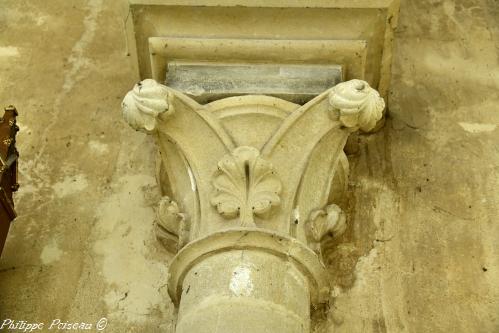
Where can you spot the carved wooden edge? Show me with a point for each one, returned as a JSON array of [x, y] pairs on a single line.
[[8, 170], [8, 159]]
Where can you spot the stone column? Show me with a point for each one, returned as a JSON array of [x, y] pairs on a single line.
[[247, 281], [247, 185]]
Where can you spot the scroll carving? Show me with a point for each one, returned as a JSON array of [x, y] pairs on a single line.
[[144, 103], [359, 105], [246, 185], [326, 224], [171, 225]]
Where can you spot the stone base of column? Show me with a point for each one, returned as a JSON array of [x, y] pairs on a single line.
[[246, 280]]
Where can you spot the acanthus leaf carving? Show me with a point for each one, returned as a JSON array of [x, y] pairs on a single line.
[[246, 185], [144, 103], [359, 105]]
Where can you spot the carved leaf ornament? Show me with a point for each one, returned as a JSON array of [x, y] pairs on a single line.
[[246, 185], [359, 105], [144, 103]]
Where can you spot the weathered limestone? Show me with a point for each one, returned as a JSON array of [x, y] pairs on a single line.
[[253, 184], [420, 251], [247, 183], [206, 82]]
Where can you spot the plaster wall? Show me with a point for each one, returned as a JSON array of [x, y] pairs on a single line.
[[420, 254]]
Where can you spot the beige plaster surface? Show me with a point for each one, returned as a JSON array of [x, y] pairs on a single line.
[[420, 253]]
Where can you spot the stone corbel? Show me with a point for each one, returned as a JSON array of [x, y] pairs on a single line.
[[253, 184]]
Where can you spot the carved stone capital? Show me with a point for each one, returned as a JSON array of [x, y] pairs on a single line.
[[144, 103], [253, 184], [359, 105]]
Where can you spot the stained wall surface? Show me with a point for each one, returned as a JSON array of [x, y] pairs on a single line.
[[420, 254]]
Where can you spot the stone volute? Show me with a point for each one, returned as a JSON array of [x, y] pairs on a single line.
[[247, 183]]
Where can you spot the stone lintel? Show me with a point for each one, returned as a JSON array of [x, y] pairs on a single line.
[[272, 3], [206, 82]]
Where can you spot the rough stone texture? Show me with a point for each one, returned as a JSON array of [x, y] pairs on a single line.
[[82, 247], [426, 199], [422, 241], [295, 83], [241, 214]]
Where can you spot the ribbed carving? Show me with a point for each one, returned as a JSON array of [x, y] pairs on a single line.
[[142, 105], [359, 105], [246, 185]]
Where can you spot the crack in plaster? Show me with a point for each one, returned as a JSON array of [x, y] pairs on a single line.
[[78, 61]]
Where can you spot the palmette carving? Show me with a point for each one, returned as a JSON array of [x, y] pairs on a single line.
[[246, 185], [144, 103], [359, 105]]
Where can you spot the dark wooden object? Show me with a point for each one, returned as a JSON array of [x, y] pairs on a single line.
[[8, 170]]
